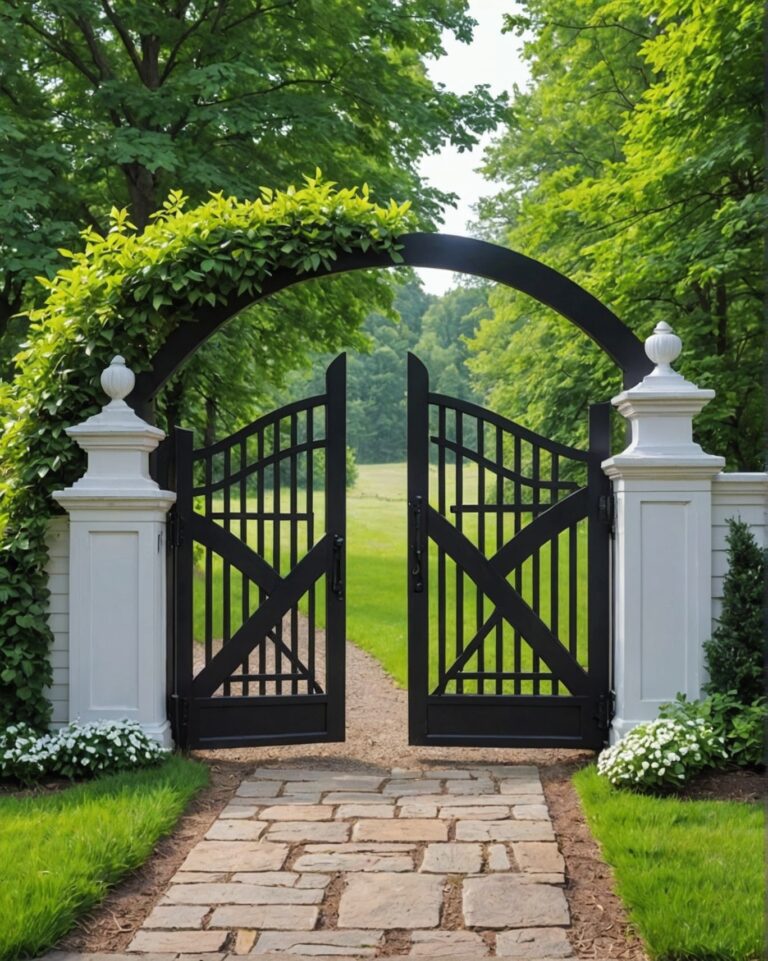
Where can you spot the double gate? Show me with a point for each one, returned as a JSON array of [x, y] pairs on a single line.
[[508, 578]]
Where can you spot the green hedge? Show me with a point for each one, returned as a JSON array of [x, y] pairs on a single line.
[[124, 293]]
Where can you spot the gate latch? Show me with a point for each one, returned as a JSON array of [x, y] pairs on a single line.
[[337, 582], [416, 569]]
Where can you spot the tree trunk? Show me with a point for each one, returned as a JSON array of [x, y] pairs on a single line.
[[142, 187], [210, 421]]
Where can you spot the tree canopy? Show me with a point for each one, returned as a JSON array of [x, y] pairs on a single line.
[[633, 164], [110, 103]]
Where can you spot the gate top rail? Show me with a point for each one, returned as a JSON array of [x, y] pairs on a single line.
[[482, 413], [296, 407]]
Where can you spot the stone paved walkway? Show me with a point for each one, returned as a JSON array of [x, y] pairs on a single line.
[[458, 863]]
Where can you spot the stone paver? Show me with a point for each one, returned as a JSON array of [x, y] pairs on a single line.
[[177, 916], [303, 831], [241, 894], [507, 901], [317, 864], [391, 901], [272, 916], [326, 943], [236, 831], [538, 857], [534, 943], [401, 829], [504, 831], [184, 942], [235, 856], [452, 858], [447, 944]]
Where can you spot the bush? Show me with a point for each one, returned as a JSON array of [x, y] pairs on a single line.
[[661, 754], [741, 726], [734, 653], [100, 747], [25, 754]]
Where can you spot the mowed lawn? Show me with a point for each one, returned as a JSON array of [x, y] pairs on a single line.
[[691, 873], [60, 852], [376, 588]]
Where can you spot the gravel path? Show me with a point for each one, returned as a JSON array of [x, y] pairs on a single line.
[[377, 727]]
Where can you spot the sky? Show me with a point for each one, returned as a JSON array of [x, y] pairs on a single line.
[[491, 58]]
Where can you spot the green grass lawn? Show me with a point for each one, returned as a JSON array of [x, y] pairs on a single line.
[[60, 852], [376, 590], [691, 873]]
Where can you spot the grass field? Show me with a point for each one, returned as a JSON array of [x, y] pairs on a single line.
[[376, 588], [61, 851], [691, 873]]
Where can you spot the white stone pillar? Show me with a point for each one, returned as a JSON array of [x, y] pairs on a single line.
[[662, 485], [117, 619]]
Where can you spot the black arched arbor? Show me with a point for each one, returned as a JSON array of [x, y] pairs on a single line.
[[442, 251], [508, 548]]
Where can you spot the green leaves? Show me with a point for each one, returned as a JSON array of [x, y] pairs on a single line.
[[125, 292], [633, 164]]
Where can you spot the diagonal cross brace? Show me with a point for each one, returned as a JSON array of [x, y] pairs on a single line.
[[237, 553], [288, 594], [492, 582]]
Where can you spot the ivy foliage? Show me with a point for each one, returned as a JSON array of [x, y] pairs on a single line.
[[125, 293]]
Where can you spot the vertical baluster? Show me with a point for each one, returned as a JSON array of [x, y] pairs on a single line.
[[442, 509], [294, 546], [480, 545], [311, 613], [499, 545], [226, 627], [459, 500], [245, 584], [261, 547], [208, 612], [554, 570], [536, 573], [276, 546], [517, 498], [573, 590]]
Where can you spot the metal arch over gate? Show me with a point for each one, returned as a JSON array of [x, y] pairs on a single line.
[[263, 512], [508, 601]]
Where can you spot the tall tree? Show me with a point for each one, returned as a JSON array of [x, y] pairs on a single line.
[[113, 102], [633, 164], [446, 328]]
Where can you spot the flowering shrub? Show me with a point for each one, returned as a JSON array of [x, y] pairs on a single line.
[[99, 747], [660, 754], [25, 754], [741, 725]]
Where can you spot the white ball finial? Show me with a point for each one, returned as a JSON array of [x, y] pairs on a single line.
[[663, 347], [117, 380]]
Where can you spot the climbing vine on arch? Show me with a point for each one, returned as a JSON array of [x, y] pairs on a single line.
[[125, 293]]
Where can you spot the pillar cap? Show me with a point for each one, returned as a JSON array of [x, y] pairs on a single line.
[[116, 425]]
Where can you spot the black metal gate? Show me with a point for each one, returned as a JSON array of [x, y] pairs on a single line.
[[508, 613], [258, 620]]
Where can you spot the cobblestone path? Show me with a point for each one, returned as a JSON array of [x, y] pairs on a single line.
[[453, 864]]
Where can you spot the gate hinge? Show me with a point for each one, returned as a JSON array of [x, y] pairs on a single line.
[[605, 710], [607, 510], [175, 529], [178, 709]]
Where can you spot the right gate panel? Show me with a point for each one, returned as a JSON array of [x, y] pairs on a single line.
[[508, 578]]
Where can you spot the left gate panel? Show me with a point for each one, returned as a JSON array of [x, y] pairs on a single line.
[[258, 617]]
